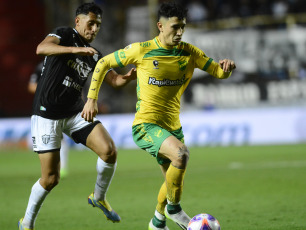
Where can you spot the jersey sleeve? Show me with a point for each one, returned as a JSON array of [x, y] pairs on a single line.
[[208, 65], [128, 55], [62, 33], [119, 58]]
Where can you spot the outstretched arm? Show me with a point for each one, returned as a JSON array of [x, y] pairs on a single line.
[[50, 46], [120, 58], [117, 80], [114, 79]]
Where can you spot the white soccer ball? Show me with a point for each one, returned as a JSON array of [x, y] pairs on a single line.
[[203, 221]]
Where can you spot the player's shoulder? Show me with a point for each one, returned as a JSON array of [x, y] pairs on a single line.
[[147, 44], [144, 45], [190, 48], [61, 31], [187, 46]]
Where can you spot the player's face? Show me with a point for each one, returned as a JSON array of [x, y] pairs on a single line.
[[171, 30], [88, 26]]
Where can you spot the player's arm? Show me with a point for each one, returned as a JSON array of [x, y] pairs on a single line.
[[220, 70], [51, 46], [120, 58], [117, 80], [90, 109]]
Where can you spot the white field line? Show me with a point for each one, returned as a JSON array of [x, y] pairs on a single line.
[[267, 165]]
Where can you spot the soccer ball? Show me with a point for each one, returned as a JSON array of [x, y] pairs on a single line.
[[203, 221]]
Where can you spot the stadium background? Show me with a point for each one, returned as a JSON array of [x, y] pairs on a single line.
[[267, 39]]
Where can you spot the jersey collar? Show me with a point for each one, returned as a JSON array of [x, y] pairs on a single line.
[[161, 46]]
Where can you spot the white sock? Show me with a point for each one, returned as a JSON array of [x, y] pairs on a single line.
[[37, 197], [159, 216], [106, 172]]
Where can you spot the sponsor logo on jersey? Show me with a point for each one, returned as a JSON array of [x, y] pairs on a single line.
[[45, 139], [68, 81], [167, 82], [81, 67], [155, 63]]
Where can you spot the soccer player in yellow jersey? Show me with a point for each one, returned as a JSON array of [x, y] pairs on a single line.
[[164, 66]]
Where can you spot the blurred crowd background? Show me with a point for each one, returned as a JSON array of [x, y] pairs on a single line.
[[266, 38]]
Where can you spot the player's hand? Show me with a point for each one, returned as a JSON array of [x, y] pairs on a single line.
[[85, 51], [227, 65], [131, 75], [90, 110]]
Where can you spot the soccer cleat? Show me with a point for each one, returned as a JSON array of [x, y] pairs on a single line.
[[180, 218], [20, 226], [109, 213], [156, 224]]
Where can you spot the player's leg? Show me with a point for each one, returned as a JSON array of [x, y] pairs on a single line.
[[95, 136], [158, 222], [162, 195], [177, 152], [50, 165], [101, 143], [46, 136]]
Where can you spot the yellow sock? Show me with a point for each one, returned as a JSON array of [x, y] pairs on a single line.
[[162, 199], [175, 181]]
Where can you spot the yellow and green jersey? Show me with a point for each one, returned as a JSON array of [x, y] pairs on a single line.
[[162, 76]]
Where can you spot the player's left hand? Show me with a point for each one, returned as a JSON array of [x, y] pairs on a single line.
[[227, 65]]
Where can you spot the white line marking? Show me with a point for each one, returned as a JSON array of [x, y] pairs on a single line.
[[267, 165]]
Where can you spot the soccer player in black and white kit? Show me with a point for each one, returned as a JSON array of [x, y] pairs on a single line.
[[57, 109]]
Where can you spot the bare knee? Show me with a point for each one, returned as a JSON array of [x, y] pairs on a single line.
[[50, 181], [109, 153], [181, 158]]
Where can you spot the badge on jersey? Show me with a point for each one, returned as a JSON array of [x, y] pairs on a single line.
[[155, 63]]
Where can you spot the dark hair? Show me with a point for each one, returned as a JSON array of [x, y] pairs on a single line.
[[89, 7], [172, 9]]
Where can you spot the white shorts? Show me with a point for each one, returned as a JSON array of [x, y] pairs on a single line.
[[47, 134]]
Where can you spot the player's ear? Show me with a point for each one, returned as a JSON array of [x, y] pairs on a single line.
[[160, 26], [77, 20]]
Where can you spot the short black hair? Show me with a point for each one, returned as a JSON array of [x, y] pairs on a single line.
[[172, 9], [89, 7]]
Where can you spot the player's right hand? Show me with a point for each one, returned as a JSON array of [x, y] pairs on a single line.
[[85, 51], [90, 110]]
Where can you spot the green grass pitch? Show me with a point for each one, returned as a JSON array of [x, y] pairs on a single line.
[[245, 188]]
